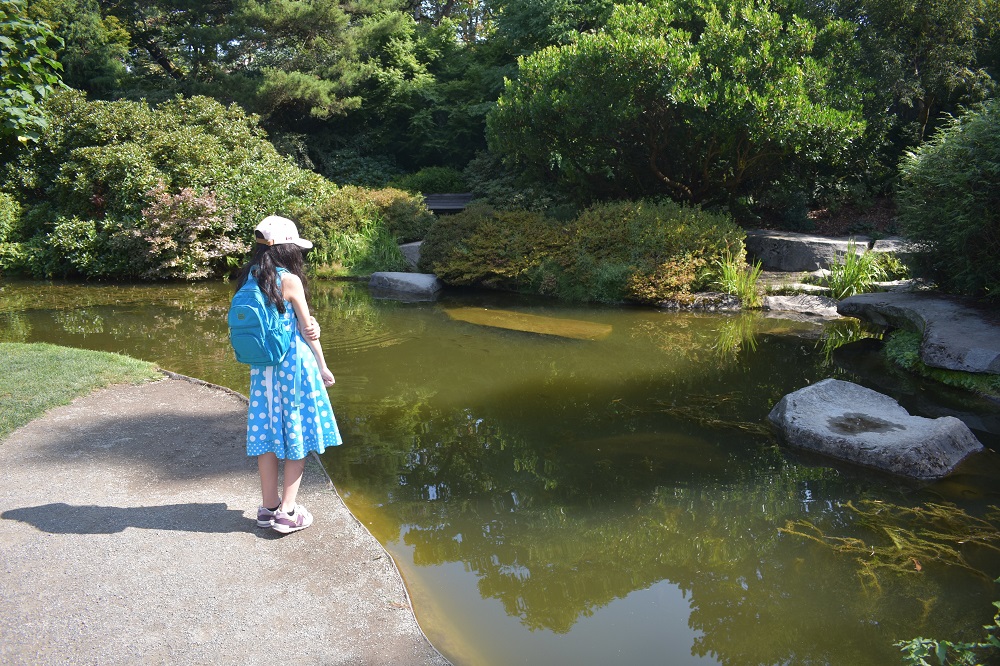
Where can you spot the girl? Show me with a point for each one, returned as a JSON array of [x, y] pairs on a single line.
[[290, 413]]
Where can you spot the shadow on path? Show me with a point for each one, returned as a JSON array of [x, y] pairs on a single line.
[[60, 518]]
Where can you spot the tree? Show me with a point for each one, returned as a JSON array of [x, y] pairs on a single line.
[[704, 102], [29, 71], [95, 47]]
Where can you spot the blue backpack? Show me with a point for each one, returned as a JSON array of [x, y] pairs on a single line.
[[257, 332]]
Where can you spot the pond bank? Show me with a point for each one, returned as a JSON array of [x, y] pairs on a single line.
[[128, 535]]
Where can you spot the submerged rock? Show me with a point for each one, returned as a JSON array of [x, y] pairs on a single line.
[[854, 423], [528, 323], [407, 286]]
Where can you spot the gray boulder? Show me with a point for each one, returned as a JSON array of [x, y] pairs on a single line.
[[405, 286], [854, 423], [956, 336], [790, 251], [411, 251]]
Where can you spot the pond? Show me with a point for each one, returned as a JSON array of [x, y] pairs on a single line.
[[590, 485]]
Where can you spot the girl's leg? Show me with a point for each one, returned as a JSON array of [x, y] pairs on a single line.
[[293, 476], [267, 465]]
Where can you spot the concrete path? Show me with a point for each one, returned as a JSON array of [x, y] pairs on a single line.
[[128, 535]]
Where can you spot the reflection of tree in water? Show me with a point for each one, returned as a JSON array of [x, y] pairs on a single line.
[[558, 522]]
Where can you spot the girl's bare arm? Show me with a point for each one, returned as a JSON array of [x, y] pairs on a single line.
[[292, 291]]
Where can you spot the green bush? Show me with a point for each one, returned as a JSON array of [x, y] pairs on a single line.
[[487, 247], [405, 215], [10, 214], [949, 203], [432, 180], [357, 230], [124, 190], [642, 251]]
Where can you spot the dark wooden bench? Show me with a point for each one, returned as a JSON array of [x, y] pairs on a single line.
[[444, 204]]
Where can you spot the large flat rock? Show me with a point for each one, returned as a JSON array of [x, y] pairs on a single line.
[[790, 251], [956, 335], [854, 423]]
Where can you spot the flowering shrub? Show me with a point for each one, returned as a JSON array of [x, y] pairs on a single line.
[[187, 236]]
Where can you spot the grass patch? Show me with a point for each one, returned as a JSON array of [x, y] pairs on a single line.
[[38, 377], [903, 349]]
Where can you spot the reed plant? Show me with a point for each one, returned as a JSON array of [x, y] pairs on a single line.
[[854, 273], [737, 277], [369, 248]]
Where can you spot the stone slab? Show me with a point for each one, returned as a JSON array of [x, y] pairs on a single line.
[[411, 251], [957, 335], [818, 306], [790, 251]]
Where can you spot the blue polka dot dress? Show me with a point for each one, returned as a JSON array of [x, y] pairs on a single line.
[[290, 413]]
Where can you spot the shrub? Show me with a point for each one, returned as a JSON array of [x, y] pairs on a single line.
[[949, 203], [187, 235], [124, 190], [10, 214], [432, 180], [484, 246], [405, 215], [357, 231], [637, 251], [493, 183]]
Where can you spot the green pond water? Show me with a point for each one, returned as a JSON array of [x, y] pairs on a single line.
[[604, 491]]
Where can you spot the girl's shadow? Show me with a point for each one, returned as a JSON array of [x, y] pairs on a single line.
[[62, 518]]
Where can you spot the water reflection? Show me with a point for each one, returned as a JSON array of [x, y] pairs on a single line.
[[561, 500]]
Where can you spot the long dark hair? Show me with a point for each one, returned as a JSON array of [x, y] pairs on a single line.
[[265, 261]]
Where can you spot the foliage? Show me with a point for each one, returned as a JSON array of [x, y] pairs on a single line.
[[350, 208], [498, 249], [949, 203], [903, 349], [187, 236], [737, 277], [918, 651], [855, 272], [702, 102], [10, 212], [643, 251], [29, 71], [38, 377], [123, 190], [493, 183], [95, 45], [432, 180]]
